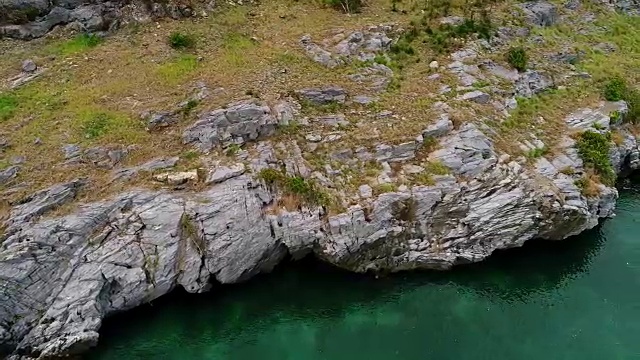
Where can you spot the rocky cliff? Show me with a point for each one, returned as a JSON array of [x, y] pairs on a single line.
[[61, 276], [450, 192]]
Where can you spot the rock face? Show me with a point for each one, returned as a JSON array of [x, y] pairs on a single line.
[[236, 124], [29, 19], [62, 275], [540, 13]]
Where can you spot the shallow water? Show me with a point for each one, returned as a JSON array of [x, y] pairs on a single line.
[[577, 299]]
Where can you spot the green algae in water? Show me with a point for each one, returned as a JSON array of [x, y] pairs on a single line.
[[576, 299]]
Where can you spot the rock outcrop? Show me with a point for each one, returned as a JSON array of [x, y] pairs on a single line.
[[29, 19], [60, 276]]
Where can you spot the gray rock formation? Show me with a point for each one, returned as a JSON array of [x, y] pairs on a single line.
[[29, 19], [323, 96], [476, 96], [161, 120], [105, 157], [540, 13], [238, 123], [153, 165], [62, 275], [356, 46], [8, 174], [532, 82]]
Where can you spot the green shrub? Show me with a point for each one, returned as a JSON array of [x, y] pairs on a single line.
[[615, 89], [594, 150], [178, 40], [8, 105], [348, 6], [633, 101], [517, 57]]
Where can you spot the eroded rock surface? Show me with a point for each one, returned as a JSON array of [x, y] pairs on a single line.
[[62, 275], [235, 124]]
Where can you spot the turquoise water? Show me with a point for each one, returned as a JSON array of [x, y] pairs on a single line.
[[578, 299]]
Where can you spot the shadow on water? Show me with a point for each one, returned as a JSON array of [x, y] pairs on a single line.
[[310, 290]]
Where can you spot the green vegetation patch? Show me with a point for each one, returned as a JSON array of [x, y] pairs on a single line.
[[174, 71], [109, 126], [594, 150], [78, 44], [96, 125], [616, 89], [8, 106], [307, 190]]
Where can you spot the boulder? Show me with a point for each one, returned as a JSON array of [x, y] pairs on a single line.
[[224, 173], [476, 96], [29, 66], [532, 82], [540, 13], [8, 174], [151, 166]]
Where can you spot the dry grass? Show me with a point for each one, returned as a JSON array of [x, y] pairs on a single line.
[[241, 48]]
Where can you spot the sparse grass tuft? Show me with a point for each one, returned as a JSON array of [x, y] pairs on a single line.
[[8, 105], [588, 185], [180, 41], [594, 150], [190, 155], [313, 108], [107, 126], [232, 150], [536, 153], [306, 190], [95, 125], [384, 188], [518, 58], [436, 167], [188, 107]]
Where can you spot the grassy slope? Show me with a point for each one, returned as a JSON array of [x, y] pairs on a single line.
[[93, 94]]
